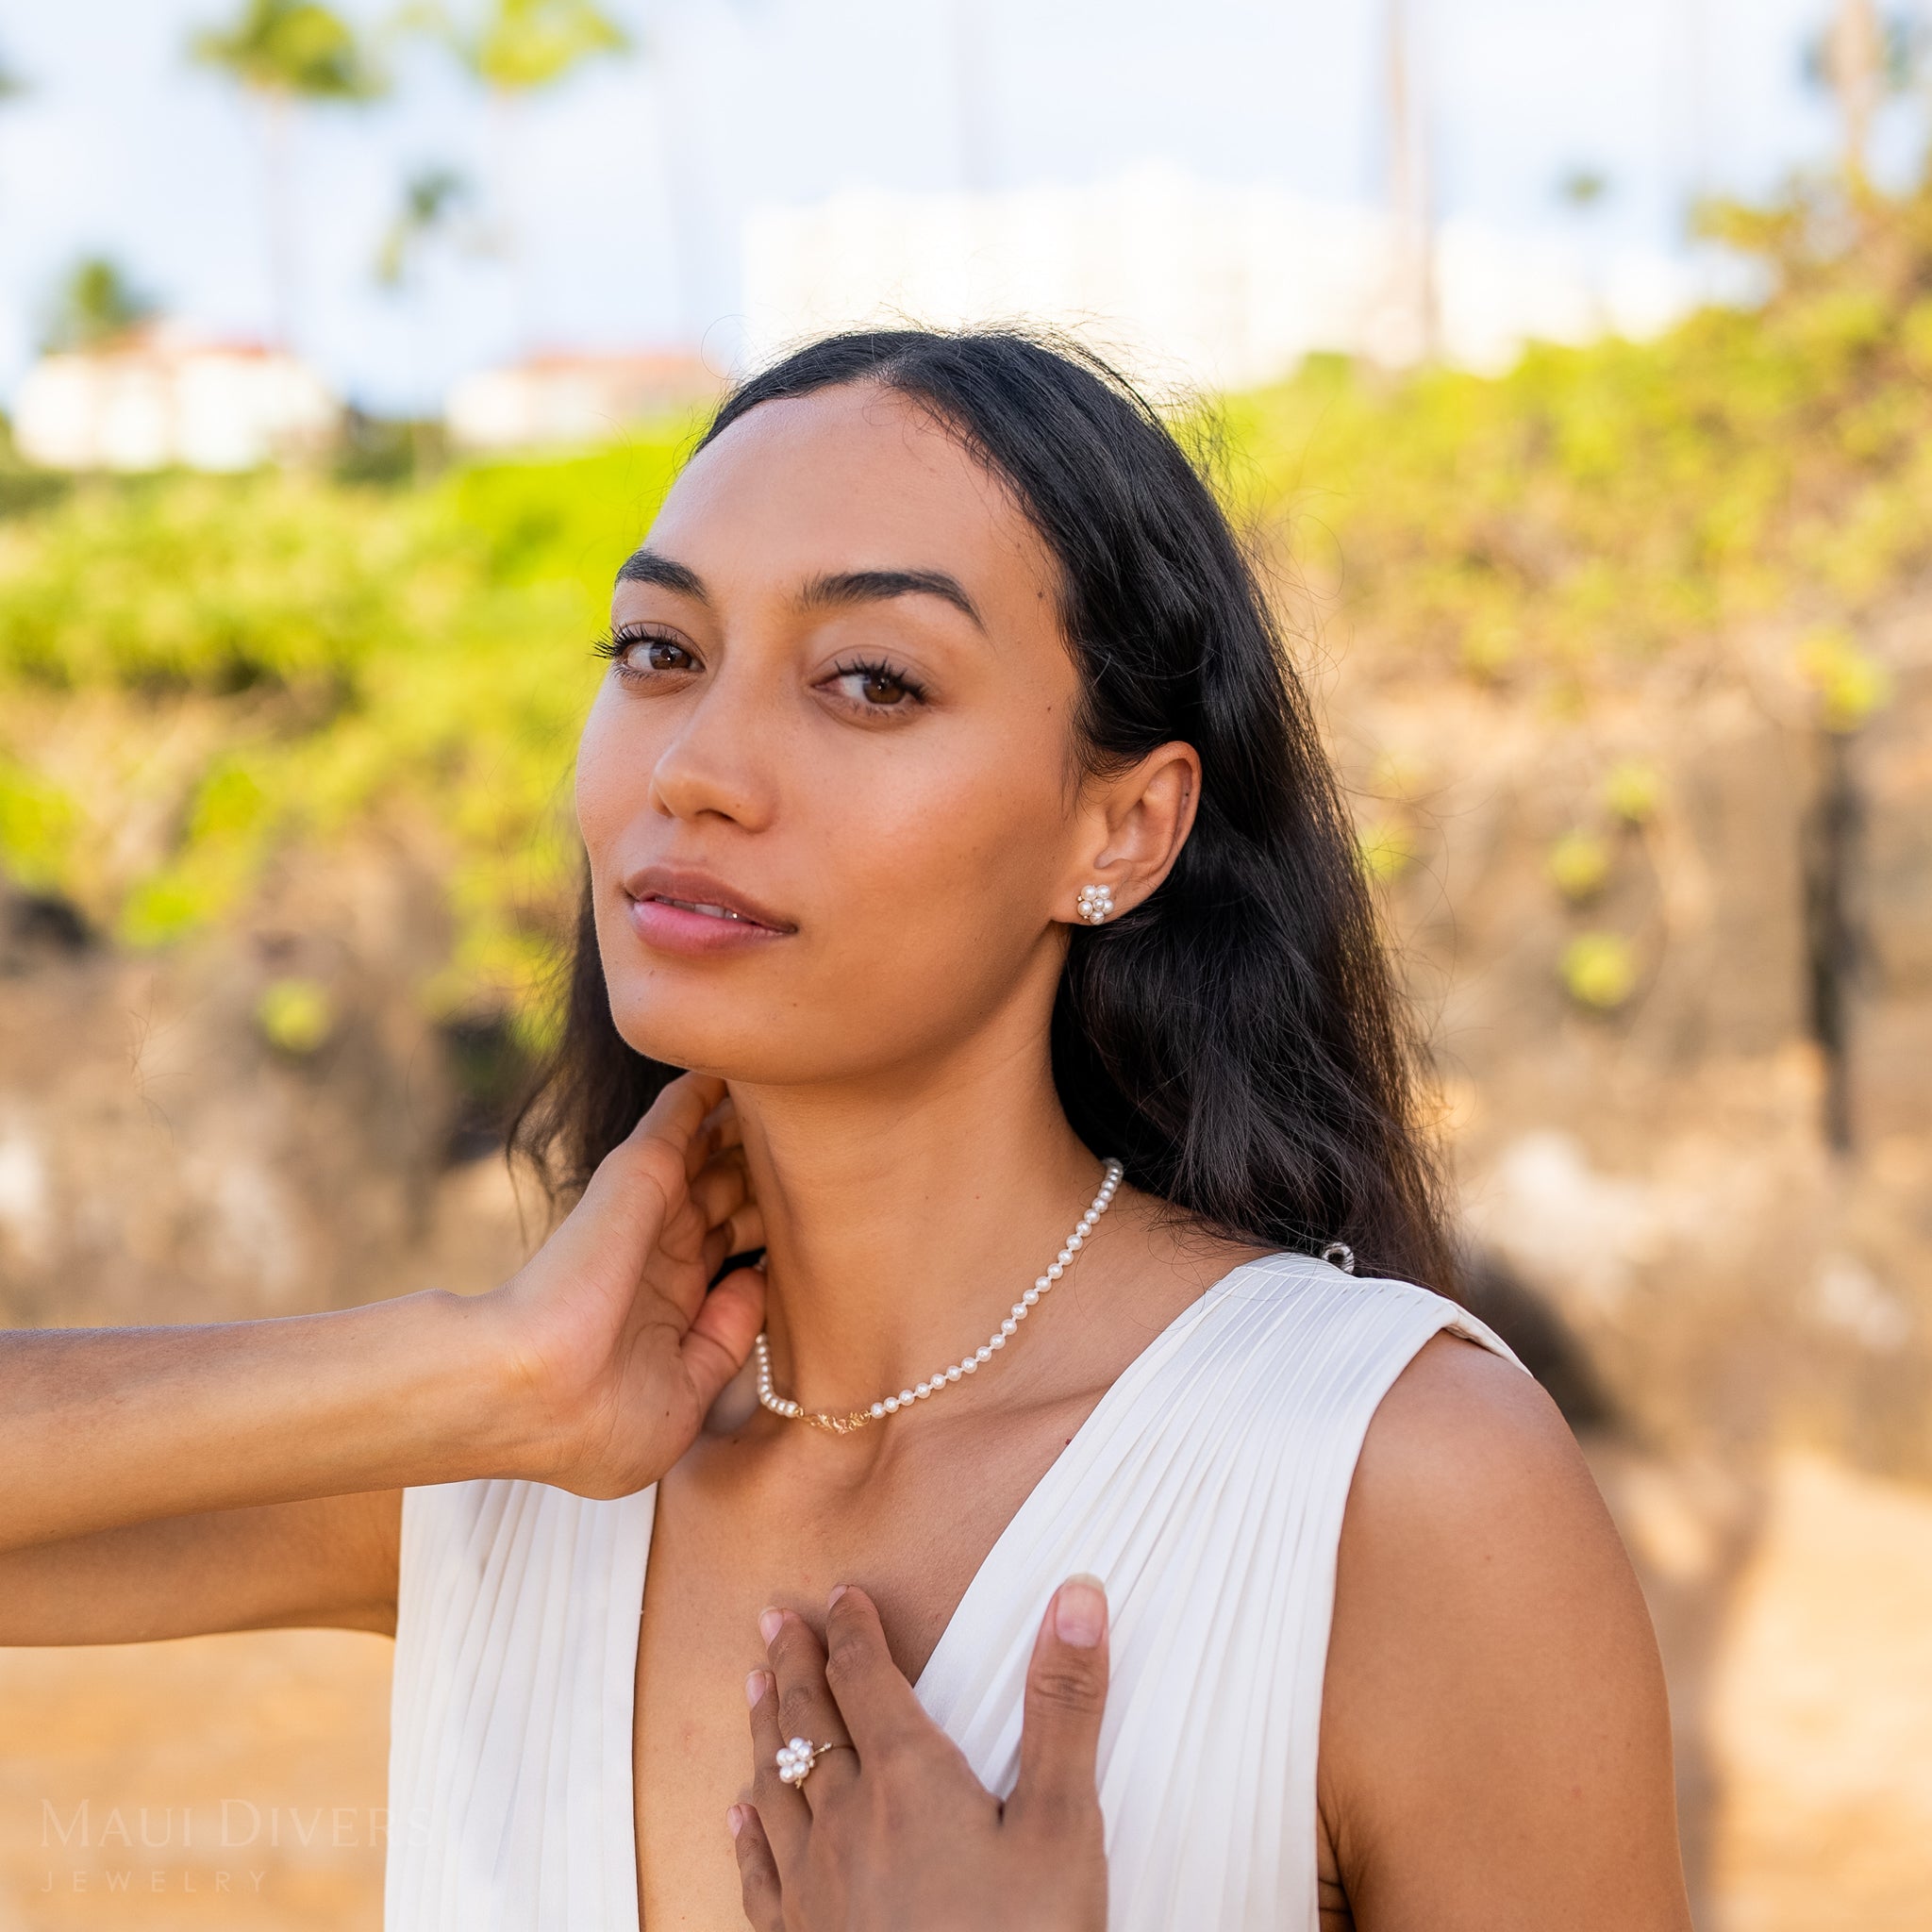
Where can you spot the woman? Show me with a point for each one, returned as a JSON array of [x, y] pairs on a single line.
[[952, 814]]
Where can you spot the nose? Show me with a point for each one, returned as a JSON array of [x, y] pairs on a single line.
[[713, 766]]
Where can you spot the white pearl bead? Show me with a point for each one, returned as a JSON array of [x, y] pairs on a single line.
[[923, 1390], [878, 1409], [1076, 1240], [983, 1351], [890, 1405], [1009, 1326], [954, 1373], [1054, 1272], [1031, 1296], [966, 1367], [1043, 1282], [996, 1340]]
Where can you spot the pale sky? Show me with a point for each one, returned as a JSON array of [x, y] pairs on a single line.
[[632, 178]]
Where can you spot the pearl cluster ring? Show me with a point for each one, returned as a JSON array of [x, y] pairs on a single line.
[[795, 1760], [844, 1424]]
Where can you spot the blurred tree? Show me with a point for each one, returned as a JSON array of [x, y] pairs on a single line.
[[1584, 191], [1414, 316], [1584, 187], [1863, 56], [285, 53], [94, 303], [1855, 65], [513, 49], [432, 197]]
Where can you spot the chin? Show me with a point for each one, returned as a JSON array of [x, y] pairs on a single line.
[[730, 1038]]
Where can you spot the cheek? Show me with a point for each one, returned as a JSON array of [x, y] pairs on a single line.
[[943, 864], [613, 775]]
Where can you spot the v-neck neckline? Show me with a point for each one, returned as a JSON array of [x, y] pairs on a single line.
[[1125, 1387]]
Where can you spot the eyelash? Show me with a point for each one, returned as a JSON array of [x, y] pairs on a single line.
[[613, 645], [877, 668]]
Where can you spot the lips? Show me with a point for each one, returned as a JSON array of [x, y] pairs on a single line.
[[710, 911], [675, 910]]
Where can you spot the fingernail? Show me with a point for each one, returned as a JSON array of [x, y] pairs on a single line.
[[770, 1623], [755, 1687], [1080, 1612], [734, 1820], [838, 1591]]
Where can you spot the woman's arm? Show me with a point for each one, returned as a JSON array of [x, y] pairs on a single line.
[[331, 1562], [258, 1444], [1496, 1736], [105, 1427]]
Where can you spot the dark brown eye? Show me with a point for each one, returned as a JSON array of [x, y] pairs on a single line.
[[876, 687], [661, 654]]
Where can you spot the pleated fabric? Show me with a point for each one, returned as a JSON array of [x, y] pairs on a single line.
[[1207, 1490]]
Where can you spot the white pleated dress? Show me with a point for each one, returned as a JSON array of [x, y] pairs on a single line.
[[1205, 1488]]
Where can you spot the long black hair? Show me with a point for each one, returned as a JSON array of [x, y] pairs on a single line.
[[1236, 1038]]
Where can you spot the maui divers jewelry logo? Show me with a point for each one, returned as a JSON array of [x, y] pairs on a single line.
[[232, 1846]]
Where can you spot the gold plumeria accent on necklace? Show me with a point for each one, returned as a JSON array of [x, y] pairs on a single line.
[[890, 1405]]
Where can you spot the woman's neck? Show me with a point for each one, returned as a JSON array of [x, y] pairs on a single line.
[[903, 1216]]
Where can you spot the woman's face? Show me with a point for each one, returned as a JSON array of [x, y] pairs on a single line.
[[828, 788]]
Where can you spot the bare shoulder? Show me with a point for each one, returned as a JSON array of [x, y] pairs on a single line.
[[1495, 1738], [1463, 1444]]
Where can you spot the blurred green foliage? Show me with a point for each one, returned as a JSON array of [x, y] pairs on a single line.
[[198, 673], [1595, 508], [296, 1015], [201, 674], [1599, 969]]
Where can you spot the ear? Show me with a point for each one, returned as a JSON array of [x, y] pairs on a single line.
[[1130, 829]]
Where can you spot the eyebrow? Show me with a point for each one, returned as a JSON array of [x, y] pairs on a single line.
[[648, 567], [827, 592], [877, 586]]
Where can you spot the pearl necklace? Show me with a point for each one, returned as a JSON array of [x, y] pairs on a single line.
[[966, 1365]]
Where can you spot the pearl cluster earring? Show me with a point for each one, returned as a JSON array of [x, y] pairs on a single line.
[[1096, 904]]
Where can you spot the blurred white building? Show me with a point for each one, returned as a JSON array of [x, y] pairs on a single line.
[[1186, 281], [157, 397], [573, 398]]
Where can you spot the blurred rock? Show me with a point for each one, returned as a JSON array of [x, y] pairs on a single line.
[[168, 1155]]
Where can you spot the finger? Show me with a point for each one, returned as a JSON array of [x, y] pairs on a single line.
[[725, 1125], [758, 1869], [1066, 1697], [723, 1330], [721, 1187], [677, 1118], [806, 1707], [782, 1811], [745, 1230], [879, 1708]]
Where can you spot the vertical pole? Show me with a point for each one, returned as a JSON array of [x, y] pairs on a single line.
[[1832, 942], [1855, 64], [278, 211], [970, 96], [1410, 213]]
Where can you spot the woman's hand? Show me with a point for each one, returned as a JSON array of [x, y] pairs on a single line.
[[616, 1350], [895, 1831]]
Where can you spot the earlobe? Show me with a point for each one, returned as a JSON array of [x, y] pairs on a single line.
[[1096, 904]]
